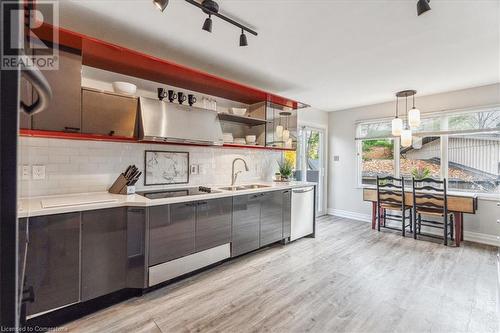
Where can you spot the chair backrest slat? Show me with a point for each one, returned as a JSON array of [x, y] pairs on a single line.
[[390, 190], [431, 194]]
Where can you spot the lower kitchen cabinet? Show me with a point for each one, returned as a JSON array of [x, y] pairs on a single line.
[[287, 213], [171, 232], [271, 218], [213, 223], [246, 224], [104, 252], [136, 239], [53, 261]]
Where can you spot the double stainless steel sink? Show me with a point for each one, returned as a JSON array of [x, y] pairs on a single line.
[[243, 187]]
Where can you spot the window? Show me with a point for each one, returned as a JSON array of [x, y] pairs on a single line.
[[377, 159], [422, 160], [474, 162], [463, 147]]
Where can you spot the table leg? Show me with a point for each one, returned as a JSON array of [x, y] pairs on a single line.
[[457, 217], [374, 214], [462, 227]]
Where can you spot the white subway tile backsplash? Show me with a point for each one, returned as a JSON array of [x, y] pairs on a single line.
[[74, 166]]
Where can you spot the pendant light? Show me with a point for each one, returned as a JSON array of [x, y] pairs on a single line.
[[286, 131], [406, 135], [161, 4], [414, 115], [423, 6], [417, 142], [397, 123]]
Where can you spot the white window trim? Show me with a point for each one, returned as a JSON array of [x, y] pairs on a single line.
[[444, 138]]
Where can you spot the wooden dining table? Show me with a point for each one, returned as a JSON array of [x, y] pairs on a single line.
[[458, 204]]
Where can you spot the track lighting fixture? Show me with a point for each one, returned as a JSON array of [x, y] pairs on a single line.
[[423, 6], [211, 7], [161, 4], [243, 39], [207, 26]]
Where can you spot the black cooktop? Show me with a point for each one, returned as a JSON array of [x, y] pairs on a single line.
[[177, 192]]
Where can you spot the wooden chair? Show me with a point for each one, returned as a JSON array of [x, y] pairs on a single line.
[[390, 197], [430, 199]]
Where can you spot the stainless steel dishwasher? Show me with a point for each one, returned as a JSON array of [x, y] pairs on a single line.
[[302, 212]]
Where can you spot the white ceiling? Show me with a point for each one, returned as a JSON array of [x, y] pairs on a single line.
[[329, 54]]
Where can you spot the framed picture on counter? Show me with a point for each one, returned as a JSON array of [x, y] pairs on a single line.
[[166, 167]]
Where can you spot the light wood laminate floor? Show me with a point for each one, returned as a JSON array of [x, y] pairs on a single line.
[[348, 279]]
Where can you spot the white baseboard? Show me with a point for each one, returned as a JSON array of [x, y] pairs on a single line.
[[350, 215], [468, 235]]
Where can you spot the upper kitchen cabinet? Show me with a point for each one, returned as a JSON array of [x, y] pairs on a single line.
[[108, 113], [64, 110]]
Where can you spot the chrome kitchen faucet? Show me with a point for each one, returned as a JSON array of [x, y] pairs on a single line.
[[235, 175]]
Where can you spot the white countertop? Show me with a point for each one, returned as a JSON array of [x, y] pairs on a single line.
[[58, 204]]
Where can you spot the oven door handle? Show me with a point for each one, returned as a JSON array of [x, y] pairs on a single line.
[[40, 84]]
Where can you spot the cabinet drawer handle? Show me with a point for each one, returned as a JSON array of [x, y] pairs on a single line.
[[189, 204], [303, 191], [71, 129], [202, 203]]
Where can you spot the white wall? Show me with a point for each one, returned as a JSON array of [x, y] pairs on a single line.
[[74, 166], [344, 196]]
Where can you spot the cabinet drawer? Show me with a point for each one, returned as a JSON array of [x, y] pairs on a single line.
[[171, 232], [246, 228], [108, 114], [53, 261], [104, 252], [213, 223]]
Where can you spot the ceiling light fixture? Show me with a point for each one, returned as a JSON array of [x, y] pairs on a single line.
[[211, 7], [161, 4], [243, 39], [423, 6], [207, 25], [412, 119]]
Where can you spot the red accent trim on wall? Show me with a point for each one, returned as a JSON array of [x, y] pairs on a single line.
[[115, 58], [108, 138]]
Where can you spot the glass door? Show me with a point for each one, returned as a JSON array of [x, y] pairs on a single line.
[[311, 164]]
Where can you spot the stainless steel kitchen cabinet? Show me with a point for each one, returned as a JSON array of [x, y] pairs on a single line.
[[108, 113], [213, 223], [246, 224], [171, 232], [271, 218], [104, 252], [287, 213], [64, 110], [53, 261]]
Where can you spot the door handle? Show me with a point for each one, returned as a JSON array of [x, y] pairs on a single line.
[[40, 84]]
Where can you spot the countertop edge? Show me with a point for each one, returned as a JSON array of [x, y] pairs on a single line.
[[32, 207]]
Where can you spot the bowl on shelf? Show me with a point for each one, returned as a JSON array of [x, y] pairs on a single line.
[[124, 88], [239, 111], [240, 141], [250, 139], [228, 137]]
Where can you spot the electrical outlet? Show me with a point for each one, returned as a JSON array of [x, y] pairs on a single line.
[[25, 172], [38, 172], [194, 169]]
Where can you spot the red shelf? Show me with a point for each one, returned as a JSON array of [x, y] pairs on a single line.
[[107, 138], [115, 58]]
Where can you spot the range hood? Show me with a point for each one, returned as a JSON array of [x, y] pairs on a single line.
[[172, 122]]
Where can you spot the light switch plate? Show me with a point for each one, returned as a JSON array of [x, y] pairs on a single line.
[[194, 169], [25, 172], [38, 172]]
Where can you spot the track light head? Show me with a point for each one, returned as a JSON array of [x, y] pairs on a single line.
[[423, 6], [243, 39], [161, 4], [207, 26]]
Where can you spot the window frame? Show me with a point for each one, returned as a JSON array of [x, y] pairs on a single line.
[[443, 133]]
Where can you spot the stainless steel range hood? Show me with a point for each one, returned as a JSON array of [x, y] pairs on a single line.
[[171, 122]]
